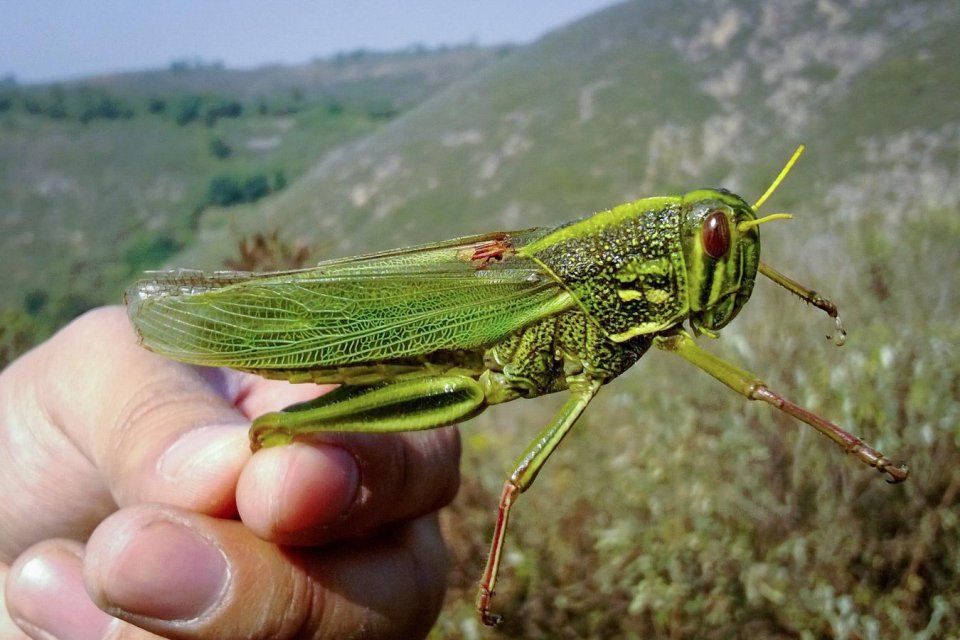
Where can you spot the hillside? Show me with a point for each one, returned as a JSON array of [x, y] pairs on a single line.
[[674, 510], [636, 101], [103, 177]]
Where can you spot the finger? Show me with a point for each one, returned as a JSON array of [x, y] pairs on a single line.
[[185, 575], [8, 628], [90, 419], [155, 429], [347, 485], [47, 598]]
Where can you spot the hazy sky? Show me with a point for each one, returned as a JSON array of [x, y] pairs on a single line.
[[53, 39]]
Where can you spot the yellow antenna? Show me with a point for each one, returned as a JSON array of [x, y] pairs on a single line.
[[749, 224], [783, 174]]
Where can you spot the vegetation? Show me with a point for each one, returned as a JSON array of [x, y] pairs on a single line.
[[269, 252], [101, 179], [17, 334], [227, 190], [220, 149], [675, 509]]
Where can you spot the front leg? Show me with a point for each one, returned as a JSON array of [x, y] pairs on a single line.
[[748, 385], [582, 390]]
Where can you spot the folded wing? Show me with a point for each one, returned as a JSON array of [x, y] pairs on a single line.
[[461, 294]]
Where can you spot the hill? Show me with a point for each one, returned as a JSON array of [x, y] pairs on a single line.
[[103, 177], [676, 509], [638, 100]]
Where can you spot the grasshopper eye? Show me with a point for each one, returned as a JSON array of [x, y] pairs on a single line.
[[716, 234]]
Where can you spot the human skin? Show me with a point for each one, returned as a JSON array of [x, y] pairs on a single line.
[[131, 506]]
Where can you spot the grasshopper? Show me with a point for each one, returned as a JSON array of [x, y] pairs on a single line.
[[429, 336]]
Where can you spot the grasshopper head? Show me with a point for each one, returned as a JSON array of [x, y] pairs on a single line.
[[721, 253], [721, 246]]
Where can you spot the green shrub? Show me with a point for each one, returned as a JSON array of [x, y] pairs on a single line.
[[17, 335], [103, 106], [220, 149], [222, 109], [188, 110], [32, 106], [150, 251], [224, 190], [35, 301], [255, 187]]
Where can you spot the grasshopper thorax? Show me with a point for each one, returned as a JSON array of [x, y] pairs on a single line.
[[721, 260]]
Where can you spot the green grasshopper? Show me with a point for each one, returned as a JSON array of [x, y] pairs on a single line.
[[429, 336]]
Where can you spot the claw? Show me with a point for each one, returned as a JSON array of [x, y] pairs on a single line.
[[840, 337], [483, 608]]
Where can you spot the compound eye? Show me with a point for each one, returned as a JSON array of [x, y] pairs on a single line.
[[716, 234]]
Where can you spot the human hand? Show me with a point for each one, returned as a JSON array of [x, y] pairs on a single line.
[[121, 478]]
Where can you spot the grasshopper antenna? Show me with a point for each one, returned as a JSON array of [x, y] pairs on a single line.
[[783, 174]]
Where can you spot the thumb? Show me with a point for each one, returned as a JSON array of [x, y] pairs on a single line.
[[175, 572]]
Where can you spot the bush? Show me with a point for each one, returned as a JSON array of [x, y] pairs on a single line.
[[226, 190], [54, 106], [17, 334], [32, 106], [57, 111], [220, 149], [147, 252], [223, 109], [35, 301], [156, 105], [255, 187], [104, 107], [57, 108], [188, 110]]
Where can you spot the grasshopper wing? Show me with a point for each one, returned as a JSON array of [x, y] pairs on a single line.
[[457, 295]]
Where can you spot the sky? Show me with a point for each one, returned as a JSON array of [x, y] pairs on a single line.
[[42, 40]]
